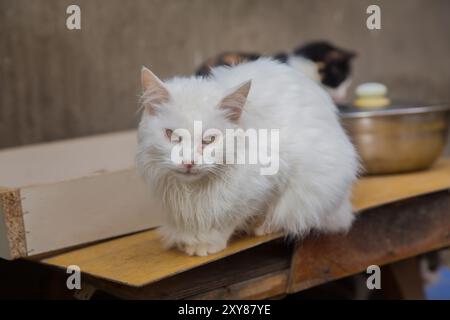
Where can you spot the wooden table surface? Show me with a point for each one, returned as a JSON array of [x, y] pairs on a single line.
[[139, 259]]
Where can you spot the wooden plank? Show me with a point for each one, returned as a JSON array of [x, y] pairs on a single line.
[[85, 210], [72, 192], [140, 259], [373, 191], [267, 286], [12, 230], [379, 236], [403, 280], [264, 259]]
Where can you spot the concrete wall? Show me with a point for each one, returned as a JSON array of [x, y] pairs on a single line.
[[56, 83]]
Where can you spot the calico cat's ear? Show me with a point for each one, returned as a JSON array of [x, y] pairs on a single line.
[[234, 102], [339, 55], [154, 92], [351, 55]]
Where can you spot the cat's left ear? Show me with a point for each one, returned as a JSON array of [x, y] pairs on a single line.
[[154, 91], [234, 102]]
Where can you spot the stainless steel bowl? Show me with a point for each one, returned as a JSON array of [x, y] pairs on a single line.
[[400, 138]]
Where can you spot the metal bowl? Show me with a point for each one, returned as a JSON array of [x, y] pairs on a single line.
[[400, 138]]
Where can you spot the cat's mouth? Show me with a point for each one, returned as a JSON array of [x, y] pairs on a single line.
[[187, 172]]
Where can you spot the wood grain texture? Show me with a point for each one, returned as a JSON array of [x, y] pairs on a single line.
[[12, 229], [80, 211], [57, 83], [379, 236], [139, 259], [268, 258], [264, 287]]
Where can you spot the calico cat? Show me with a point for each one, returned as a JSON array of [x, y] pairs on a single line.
[[206, 203], [320, 61]]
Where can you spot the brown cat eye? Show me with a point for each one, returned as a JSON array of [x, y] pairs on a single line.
[[211, 140], [169, 133]]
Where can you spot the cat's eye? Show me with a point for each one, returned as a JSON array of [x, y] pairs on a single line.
[[172, 138], [169, 133], [209, 139]]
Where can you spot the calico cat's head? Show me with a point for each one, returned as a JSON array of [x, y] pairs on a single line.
[[191, 113], [333, 65]]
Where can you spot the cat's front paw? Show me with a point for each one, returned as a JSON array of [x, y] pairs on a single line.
[[262, 230], [203, 249], [201, 244]]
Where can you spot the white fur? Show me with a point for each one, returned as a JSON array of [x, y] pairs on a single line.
[[318, 164], [305, 66], [339, 94]]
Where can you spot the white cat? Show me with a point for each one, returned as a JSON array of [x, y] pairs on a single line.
[[207, 203]]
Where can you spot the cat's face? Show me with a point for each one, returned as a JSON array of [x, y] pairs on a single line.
[[181, 121], [333, 65]]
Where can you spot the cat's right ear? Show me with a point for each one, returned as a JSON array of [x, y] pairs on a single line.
[[154, 91], [234, 102]]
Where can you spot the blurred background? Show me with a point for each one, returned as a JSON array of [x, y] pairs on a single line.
[[57, 83]]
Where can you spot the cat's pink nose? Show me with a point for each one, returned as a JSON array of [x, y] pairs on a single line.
[[188, 165]]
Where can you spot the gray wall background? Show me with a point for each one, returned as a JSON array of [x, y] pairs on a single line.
[[56, 83]]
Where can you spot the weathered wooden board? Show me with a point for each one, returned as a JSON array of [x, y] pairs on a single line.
[[12, 230], [86, 210], [139, 259], [403, 280], [269, 258], [264, 287], [71, 192]]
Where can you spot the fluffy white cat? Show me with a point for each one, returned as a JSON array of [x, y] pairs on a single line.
[[207, 203]]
